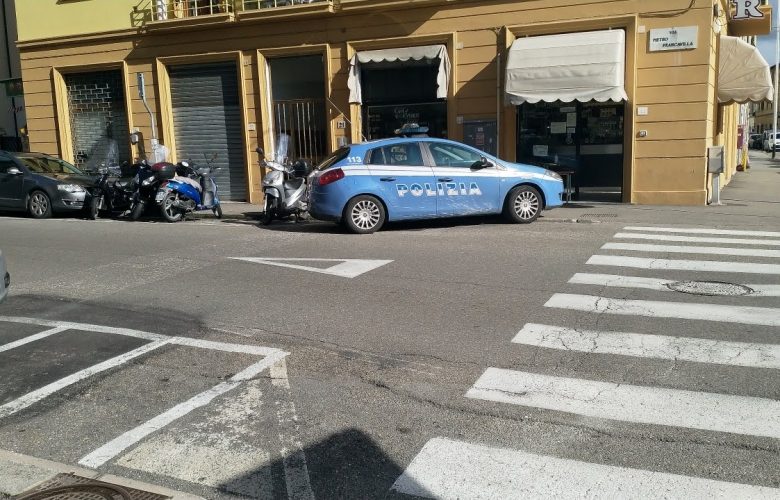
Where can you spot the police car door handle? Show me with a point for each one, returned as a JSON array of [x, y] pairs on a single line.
[[445, 179], [387, 179]]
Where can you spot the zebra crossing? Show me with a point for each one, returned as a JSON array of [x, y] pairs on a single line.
[[447, 468]]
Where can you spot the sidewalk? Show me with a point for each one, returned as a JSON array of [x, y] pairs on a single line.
[[21, 473], [750, 201]]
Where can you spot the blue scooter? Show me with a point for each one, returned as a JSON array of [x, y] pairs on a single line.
[[192, 189]]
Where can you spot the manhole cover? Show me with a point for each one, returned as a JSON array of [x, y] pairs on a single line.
[[710, 288], [72, 487]]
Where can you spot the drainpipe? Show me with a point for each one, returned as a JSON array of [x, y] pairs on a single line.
[[8, 61]]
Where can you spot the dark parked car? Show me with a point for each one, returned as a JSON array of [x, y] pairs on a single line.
[[756, 141], [41, 184]]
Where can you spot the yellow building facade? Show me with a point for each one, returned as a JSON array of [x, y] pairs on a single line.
[[227, 76]]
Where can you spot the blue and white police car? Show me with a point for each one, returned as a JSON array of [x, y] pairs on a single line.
[[365, 185]]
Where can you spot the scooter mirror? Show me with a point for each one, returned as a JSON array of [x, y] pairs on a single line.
[[260, 151]]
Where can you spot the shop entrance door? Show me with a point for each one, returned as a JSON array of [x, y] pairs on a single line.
[[400, 93], [584, 138], [298, 106]]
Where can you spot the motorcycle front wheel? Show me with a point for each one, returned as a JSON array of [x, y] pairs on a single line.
[[268, 213], [94, 207], [169, 210], [138, 210]]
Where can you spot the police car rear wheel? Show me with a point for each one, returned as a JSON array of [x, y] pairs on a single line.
[[523, 205], [364, 215]]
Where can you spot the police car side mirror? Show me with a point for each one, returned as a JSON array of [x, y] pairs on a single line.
[[482, 163]]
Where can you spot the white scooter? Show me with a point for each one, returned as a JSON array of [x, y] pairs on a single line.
[[285, 188]]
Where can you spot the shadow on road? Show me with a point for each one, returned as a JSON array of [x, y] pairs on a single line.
[[345, 465]]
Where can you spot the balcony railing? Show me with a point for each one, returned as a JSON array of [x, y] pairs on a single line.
[[270, 4], [164, 10], [168, 10]]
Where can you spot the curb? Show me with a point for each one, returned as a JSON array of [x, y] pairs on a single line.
[[20, 473]]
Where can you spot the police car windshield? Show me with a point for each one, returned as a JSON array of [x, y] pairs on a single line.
[[334, 158]]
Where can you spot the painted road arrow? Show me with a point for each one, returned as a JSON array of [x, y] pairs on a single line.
[[346, 268]]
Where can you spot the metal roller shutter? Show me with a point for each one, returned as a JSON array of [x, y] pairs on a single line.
[[207, 120]]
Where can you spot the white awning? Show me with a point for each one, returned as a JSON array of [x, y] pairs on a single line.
[[569, 67], [404, 54], [743, 73]]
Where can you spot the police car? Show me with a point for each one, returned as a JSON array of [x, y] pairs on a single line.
[[365, 185]]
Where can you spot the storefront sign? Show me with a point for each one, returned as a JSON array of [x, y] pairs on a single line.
[[674, 39]]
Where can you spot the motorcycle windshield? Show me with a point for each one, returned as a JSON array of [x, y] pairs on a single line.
[[282, 147]]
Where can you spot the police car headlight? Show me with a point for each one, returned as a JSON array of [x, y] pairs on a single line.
[[71, 188], [554, 175]]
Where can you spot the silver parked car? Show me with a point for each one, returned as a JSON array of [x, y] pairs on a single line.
[[5, 278]]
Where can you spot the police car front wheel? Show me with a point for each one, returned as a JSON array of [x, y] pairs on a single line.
[[364, 215], [523, 205]]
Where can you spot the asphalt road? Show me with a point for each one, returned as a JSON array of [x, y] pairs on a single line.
[[410, 366]]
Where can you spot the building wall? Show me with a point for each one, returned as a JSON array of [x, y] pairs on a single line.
[[7, 125], [667, 166], [41, 19]]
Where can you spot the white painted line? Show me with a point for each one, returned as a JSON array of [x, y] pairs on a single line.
[[222, 346], [661, 285], [693, 230], [744, 252], [632, 403], [346, 268], [85, 327], [685, 265], [296, 471], [696, 239], [31, 338], [129, 438], [745, 315], [448, 470], [45, 391], [651, 346]]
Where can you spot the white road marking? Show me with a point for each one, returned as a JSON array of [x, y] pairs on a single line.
[[86, 327], [744, 252], [296, 471], [31, 338], [47, 390], [632, 403], [131, 437], [685, 265], [222, 346], [696, 239], [746, 315], [651, 346], [694, 230], [449, 470], [346, 268], [661, 285]]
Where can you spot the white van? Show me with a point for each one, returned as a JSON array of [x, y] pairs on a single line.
[[768, 143]]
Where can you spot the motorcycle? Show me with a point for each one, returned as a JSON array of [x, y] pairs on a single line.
[[146, 181], [191, 189], [113, 192], [285, 188]]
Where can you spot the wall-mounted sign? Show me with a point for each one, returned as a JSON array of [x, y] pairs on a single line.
[[746, 9], [749, 17], [664, 39]]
